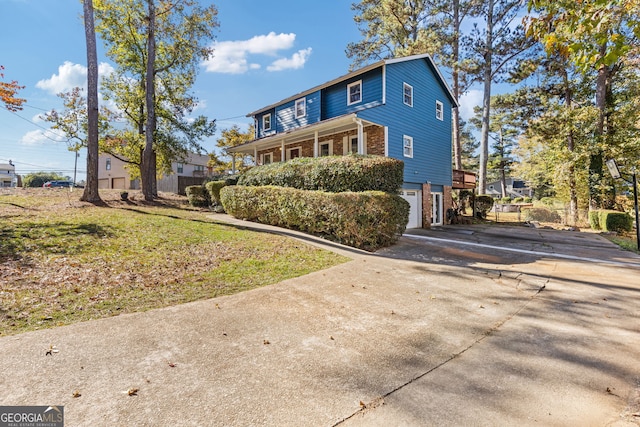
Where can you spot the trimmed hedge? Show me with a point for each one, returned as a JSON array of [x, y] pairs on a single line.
[[213, 188], [334, 174], [367, 220], [197, 196], [483, 205], [607, 220]]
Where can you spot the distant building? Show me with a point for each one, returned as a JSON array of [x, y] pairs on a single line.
[[8, 177], [193, 170], [515, 188]]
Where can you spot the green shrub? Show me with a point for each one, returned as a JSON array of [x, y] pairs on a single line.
[[333, 174], [483, 205], [542, 215], [367, 220], [505, 200], [213, 189], [36, 179], [518, 200], [615, 221], [528, 200], [594, 220], [197, 196]]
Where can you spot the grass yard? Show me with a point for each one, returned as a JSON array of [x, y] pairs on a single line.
[[64, 261]]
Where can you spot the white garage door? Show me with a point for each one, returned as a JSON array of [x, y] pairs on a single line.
[[415, 212]]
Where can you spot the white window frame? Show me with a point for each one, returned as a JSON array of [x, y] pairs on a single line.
[[406, 86], [439, 110], [179, 167], [299, 147], [265, 118], [107, 164], [300, 106], [351, 85], [264, 157], [330, 144], [407, 139]]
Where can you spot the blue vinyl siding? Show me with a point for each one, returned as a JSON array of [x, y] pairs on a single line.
[[431, 160], [334, 98], [286, 115], [260, 132]]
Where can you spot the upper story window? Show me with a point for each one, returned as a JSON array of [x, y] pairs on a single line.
[[180, 167], [407, 94], [354, 92], [301, 108], [108, 164], [266, 122], [199, 168], [407, 146], [439, 110]]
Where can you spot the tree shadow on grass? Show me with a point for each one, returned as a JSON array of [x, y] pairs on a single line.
[[57, 238]]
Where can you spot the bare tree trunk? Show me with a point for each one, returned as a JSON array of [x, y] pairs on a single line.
[[486, 102], [457, 144], [91, 193], [148, 171], [595, 161], [573, 192]]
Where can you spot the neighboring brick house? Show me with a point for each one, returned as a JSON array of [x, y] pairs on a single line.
[[399, 108], [8, 177], [112, 173]]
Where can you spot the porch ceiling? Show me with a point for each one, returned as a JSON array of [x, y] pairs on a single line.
[[327, 127]]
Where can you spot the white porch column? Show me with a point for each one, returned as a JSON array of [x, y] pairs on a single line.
[[360, 136], [255, 155], [282, 153], [233, 164], [315, 144]]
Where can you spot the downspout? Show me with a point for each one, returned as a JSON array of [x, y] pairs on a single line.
[[360, 135]]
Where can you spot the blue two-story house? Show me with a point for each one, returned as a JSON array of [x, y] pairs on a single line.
[[399, 108]]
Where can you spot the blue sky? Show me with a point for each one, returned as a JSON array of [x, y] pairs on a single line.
[[262, 55]]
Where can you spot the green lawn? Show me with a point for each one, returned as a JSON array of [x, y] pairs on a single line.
[[64, 261]]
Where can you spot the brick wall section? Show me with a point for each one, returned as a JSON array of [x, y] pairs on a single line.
[[426, 205], [447, 202], [375, 143]]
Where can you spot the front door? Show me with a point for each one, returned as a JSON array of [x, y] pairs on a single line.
[[436, 209]]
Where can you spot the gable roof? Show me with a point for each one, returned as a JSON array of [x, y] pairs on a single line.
[[363, 70]]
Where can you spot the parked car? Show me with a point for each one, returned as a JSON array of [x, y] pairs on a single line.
[[52, 184]]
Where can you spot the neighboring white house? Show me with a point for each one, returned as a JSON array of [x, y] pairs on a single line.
[[8, 177], [515, 188], [113, 174]]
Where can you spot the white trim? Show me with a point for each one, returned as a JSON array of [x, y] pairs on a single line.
[[349, 86], [263, 156], [299, 147], [384, 84], [439, 110], [303, 102], [386, 141], [409, 139], [437, 208], [406, 85], [264, 126], [320, 144]]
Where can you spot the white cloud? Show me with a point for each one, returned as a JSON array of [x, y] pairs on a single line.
[[296, 61], [469, 100], [232, 57], [70, 75], [40, 137]]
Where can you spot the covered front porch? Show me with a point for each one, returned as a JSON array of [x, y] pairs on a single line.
[[339, 136]]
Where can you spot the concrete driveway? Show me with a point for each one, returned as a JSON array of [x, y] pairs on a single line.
[[466, 326]]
